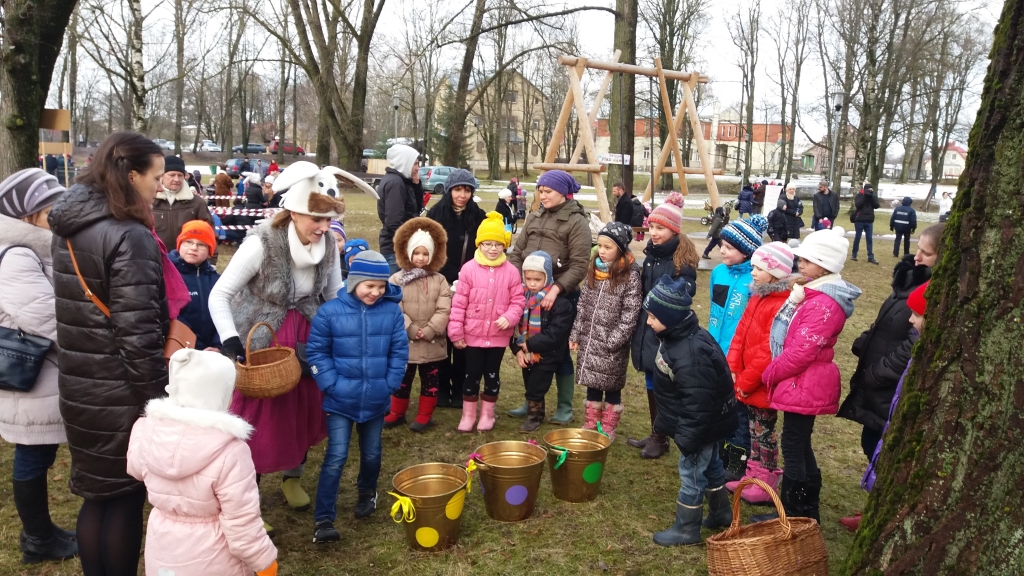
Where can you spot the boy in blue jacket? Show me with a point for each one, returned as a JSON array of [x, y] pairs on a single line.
[[730, 291], [357, 351]]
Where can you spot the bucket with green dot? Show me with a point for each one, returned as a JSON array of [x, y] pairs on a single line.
[[576, 460], [429, 501], [510, 473]]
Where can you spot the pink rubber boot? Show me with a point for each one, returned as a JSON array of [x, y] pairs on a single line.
[[593, 414], [468, 415], [610, 419], [753, 468], [486, 416], [755, 494]]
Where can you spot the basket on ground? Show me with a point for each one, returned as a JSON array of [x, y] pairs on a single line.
[[783, 546], [269, 372]]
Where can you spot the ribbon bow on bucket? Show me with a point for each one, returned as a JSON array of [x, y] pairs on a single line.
[[402, 509], [470, 468], [563, 453]]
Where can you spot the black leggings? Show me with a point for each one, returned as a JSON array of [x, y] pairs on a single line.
[[429, 380], [453, 373], [595, 395], [796, 446], [110, 535], [537, 383], [482, 363]]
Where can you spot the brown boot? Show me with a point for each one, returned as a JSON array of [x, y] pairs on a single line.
[[657, 446], [534, 416], [652, 406]]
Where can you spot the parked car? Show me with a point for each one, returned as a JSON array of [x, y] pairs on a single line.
[[287, 148], [232, 167], [251, 148], [168, 145], [208, 146], [432, 178], [161, 143]]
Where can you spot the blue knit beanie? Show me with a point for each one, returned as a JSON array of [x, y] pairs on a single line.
[[746, 235], [459, 177], [355, 246], [368, 265], [669, 301], [559, 181]]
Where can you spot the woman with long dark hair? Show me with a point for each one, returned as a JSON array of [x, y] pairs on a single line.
[[111, 337]]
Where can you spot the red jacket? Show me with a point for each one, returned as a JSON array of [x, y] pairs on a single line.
[[750, 352]]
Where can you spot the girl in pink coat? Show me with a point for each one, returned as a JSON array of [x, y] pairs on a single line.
[[192, 456], [802, 379], [487, 304]]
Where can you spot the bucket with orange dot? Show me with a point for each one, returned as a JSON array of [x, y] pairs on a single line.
[[576, 459], [510, 473], [428, 502]]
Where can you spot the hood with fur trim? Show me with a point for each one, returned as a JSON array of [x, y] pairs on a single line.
[[183, 195], [437, 234]]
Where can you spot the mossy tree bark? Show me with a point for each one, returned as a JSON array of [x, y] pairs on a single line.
[[951, 475]]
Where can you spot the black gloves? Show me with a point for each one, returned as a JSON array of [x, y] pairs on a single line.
[[233, 349]]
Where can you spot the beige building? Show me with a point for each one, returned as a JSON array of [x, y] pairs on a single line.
[[952, 165]]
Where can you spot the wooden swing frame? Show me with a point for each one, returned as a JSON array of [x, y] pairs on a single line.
[[575, 66]]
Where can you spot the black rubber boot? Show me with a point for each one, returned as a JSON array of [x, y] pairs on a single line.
[[686, 530], [719, 508], [735, 464], [39, 540], [813, 487], [652, 407], [534, 416], [794, 498]]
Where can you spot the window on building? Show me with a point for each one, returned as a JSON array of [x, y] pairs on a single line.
[[536, 124], [536, 99], [478, 121], [517, 147], [647, 152], [535, 151], [480, 147], [849, 163], [511, 96]]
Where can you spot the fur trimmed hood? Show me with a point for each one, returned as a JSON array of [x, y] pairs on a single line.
[[165, 409], [437, 233], [183, 195], [18, 233]]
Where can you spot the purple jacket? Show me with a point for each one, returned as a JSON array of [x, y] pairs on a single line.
[[868, 482], [803, 378], [483, 295]]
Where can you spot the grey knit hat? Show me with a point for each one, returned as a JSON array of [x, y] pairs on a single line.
[[459, 177], [27, 192], [620, 234]]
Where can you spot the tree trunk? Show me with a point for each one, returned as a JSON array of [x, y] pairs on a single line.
[[282, 103], [76, 123], [456, 130], [947, 498], [140, 122], [179, 82], [621, 121], [323, 136], [31, 39]]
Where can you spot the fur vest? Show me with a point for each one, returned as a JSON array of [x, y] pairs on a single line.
[[269, 294]]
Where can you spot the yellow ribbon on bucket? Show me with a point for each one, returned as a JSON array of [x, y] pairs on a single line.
[[402, 509], [470, 468]]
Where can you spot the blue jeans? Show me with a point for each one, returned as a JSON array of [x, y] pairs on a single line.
[[33, 460], [392, 262], [700, 472], [866, 228], [741, 437], [649, 379], [339, 434]]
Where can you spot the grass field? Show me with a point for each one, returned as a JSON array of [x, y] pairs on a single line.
[[612, 534]]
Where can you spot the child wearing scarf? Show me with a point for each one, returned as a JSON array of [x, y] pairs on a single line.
[[421, 251], [486, 307], [605, 320], [541, 338]]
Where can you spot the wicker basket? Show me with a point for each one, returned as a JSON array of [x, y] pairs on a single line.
[[784, 546], [268, 372]]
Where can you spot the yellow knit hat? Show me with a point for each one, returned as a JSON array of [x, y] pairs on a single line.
[[493, 229]]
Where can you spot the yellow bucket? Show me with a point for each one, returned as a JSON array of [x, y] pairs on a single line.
[[429, 503], [510, 474], [576, 459]]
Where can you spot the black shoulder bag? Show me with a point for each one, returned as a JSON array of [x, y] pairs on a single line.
[[21, 355]]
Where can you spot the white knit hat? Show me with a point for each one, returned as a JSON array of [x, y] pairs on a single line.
[[421, 238], [505, 193], [826, 248], [198, 379]]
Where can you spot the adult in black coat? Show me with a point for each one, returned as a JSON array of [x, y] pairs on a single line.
[[400, 200], [624, 211], [863, 219], [793, 208], [255, 198], [883, 351], [109, 366], [460, 216], [826, 205], [759, 190], [505, 208]]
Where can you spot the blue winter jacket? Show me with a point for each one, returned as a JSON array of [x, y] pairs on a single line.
[[196, 315], [730, 290], [904, 217], [745, 203], [357, 353]]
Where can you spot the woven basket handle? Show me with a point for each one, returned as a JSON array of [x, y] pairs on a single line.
[[735, 527], [248, 341]]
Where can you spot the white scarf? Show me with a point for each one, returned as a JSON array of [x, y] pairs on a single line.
[[304, 255], [797, 295]]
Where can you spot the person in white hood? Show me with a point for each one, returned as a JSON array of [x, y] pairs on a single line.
[[401, 198]]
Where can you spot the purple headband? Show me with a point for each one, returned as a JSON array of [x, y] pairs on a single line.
[[559, 181]]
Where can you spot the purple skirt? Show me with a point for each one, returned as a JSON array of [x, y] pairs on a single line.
[[288, 425]]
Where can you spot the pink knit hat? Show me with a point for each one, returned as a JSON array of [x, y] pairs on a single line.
[[669, 214], [774, 258]]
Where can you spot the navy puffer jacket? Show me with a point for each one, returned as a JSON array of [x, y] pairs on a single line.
[[657, 264], [357, 354], [693, 387], [196, 315], [745, 203]]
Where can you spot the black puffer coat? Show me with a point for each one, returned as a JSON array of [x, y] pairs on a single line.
[[865, 204], [657, 264], [883, 351], [109, 367], [693, 387], [793, 208], [400, 200], [553, 340], [461, 229]]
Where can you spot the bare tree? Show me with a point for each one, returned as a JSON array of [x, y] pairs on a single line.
[[744, 28]]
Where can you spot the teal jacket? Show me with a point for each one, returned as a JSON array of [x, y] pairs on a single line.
[[730, 291]]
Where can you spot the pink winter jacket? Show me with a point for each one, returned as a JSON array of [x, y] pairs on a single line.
[[803, 378], [484, 294], [202, 485]]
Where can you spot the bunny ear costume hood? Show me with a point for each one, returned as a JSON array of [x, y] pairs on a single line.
[[314, 191]]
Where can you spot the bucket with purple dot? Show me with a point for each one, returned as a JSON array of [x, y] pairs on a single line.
[[510, 473]]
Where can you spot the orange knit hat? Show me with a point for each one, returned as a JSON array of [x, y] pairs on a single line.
[[198, 230]]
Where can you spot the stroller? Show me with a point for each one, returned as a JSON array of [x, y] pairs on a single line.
[[706, 220]]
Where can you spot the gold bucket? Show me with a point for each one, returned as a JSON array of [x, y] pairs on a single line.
[[510, 474], [576, 460], [430, 498]]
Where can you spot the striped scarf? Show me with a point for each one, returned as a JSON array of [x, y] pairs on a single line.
[[530, 324]]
